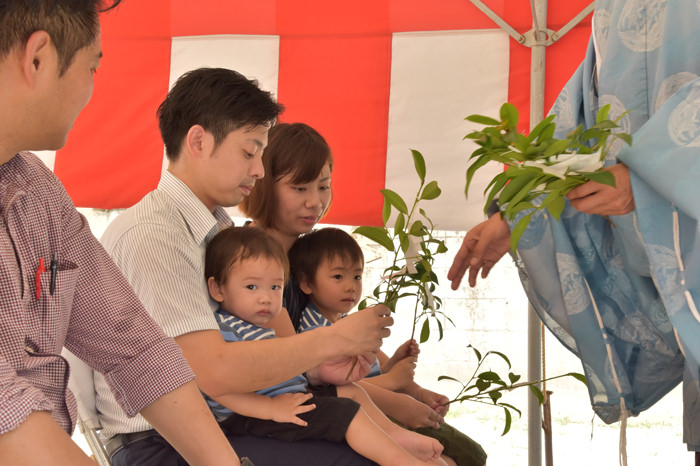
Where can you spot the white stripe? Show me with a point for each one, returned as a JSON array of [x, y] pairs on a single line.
[[437, 79]]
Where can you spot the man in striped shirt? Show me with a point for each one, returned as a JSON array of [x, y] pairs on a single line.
[[57, 285], [214, 124]]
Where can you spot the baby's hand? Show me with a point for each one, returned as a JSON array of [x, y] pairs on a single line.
[[287, 407]]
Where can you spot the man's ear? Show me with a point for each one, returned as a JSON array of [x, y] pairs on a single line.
[[305, 285], [215, 290], [39, 53], [198, 140]]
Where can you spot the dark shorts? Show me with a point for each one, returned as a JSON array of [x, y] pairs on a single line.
[[329, 420], [155, 451]]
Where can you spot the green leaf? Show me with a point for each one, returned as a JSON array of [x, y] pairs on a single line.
[[537, 392], [603, 113], [509, 114], [503, 356], [447, 377], [419, 162], [417, 229], [557, 147], [547, 133], [489, 375], [425, 331], [386, 211], [400, 223], [476, 351], [403, 241], [625, 137], [495, 396], [519, 180], [508, 421], [395, 200], [577, 376], [483, 120], [518, 231], [431, 191], [556, 206], [540, 126], [377, 234], [602, 177], [513, 378]]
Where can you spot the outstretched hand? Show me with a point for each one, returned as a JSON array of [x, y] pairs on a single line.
[[601, 199], [482, 247]]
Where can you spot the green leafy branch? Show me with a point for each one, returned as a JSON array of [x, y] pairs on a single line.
[[414, 247], [487, 387], [540, 169]]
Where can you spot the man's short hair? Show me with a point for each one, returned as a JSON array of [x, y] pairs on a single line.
[[294, 149], [218, 99], [72, 24]]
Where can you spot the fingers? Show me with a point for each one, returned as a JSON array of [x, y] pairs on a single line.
[[460, 264]]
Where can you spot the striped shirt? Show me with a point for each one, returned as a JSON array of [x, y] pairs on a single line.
[[234, 329], [159, 245], [93, 311]]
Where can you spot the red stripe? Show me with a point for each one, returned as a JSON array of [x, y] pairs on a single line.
[[335, 63], [114, 152]]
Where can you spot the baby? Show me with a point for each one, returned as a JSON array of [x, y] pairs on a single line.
[[246, 271]]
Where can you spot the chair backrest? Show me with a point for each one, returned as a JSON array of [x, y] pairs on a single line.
[[82, 384]]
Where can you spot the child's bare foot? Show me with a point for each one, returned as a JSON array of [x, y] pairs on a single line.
[[420, 446]]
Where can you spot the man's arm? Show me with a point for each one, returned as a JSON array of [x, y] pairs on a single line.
[[39, 440], [173, 415], [219, 365]]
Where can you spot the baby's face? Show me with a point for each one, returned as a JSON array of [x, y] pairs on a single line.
[[337, 287], [253, 290]]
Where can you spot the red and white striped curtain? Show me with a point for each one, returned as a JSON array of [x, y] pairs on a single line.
[[376, 78]]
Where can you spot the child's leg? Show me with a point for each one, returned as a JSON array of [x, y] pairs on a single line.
[[422, 447], [368, 439]]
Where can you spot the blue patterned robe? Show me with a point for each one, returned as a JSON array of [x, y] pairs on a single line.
[[624, 297]]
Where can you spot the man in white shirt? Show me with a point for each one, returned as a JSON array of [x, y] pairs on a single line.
[[214, 124]]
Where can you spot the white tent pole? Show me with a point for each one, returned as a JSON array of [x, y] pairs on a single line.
[[537, 39], [534, 333]]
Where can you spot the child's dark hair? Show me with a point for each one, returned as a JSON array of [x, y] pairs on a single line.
[[235, 244], [307, 252]]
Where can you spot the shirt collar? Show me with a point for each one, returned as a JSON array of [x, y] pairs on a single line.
[[201, 222]]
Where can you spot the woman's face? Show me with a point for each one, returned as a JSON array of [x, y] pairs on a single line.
[[300, 206]]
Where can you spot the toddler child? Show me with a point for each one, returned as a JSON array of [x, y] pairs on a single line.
[[328, 265], [246, 270]]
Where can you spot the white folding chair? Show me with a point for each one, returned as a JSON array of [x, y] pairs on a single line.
[[82, 385]]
